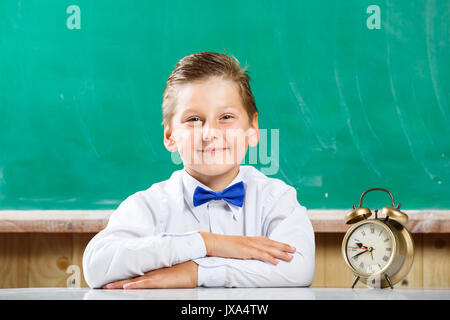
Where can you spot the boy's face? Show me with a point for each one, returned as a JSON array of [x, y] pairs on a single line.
[[210, 127]]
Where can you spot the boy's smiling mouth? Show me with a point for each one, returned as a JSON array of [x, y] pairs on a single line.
[[212, 149]]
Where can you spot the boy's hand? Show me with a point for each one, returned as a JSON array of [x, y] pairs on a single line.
[[243, 247], [182, 275]]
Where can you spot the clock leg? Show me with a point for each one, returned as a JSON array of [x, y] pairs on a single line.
[[389, 281], [355, 281]]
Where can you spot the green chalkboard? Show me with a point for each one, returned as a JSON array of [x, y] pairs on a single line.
[[354, 94]]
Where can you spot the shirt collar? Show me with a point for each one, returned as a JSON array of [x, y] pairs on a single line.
[[190, 183]]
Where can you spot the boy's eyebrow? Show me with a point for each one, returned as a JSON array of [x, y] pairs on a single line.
[[193, 109], [189, 111]]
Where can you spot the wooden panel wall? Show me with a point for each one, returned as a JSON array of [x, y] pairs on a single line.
[[41, 260], [30, 260]]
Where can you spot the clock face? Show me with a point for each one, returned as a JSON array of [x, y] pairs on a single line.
[[369, 248]]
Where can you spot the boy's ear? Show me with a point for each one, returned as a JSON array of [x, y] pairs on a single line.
[[253, 131], [169, 141]]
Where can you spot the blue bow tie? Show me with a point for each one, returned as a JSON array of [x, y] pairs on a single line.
[[234, 194]]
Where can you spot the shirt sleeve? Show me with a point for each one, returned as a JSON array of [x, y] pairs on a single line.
[[287, 222], [130, 245]]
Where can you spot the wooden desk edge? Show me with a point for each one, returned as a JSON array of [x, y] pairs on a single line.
[[93, 221]]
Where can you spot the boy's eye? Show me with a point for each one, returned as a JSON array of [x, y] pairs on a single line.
[[195, 119]]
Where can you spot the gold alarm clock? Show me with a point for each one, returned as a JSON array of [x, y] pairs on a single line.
[[378, 251]]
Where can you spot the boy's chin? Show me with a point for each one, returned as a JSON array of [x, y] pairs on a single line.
[[213, 169]]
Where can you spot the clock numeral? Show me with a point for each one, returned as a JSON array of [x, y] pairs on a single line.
[[386, 240], [361, 265], [372, 230], [363, 233], [389, 249], [385, 258], [380, 233]]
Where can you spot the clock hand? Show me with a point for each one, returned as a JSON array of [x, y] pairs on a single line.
[[360, 253], [371, 252], [360, 245]]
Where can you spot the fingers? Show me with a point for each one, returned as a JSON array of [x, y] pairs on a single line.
[[117, 284], [136, 283], [281, 246], [261, 255], [120, 284], [270, 250], [141, 284], [252, 247], [272, 255], [282, 255]]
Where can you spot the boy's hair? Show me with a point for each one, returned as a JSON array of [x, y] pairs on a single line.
[[200, 66]]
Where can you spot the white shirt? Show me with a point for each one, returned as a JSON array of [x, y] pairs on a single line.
[[158, 227]]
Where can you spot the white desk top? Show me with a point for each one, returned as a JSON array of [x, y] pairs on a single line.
[[227, 294]]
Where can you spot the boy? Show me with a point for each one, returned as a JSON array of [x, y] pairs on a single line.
[[214, 223]]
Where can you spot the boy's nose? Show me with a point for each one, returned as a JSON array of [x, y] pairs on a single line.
[[209, 132]]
